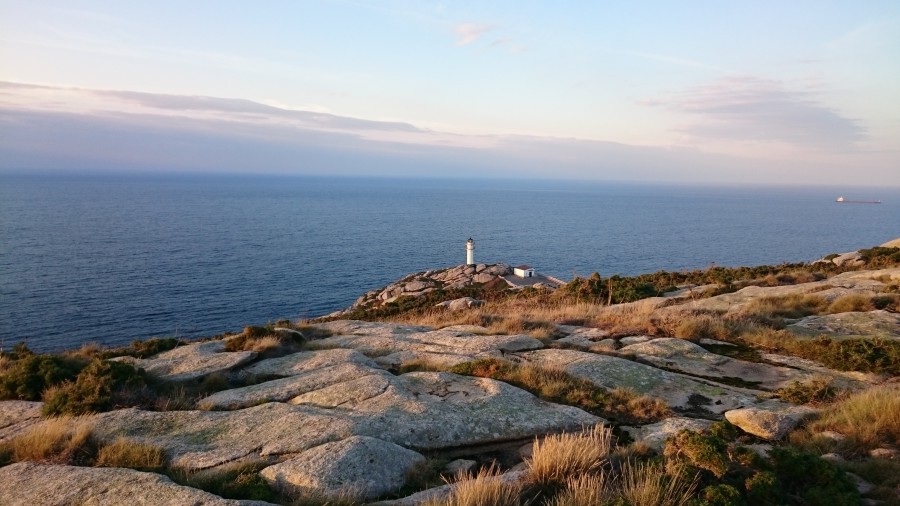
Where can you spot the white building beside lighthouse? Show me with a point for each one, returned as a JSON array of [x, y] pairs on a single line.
[[470, 252]]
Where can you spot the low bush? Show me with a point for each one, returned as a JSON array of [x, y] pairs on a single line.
[[733, 474], [816, 390], [101, 386], [26, 375], [866, 355]]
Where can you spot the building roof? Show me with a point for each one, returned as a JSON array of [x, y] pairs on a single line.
[[523, 267]]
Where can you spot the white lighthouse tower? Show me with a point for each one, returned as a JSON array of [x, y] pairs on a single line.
[[470, 252]]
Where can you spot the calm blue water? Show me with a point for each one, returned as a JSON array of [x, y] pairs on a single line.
[[110, 259]]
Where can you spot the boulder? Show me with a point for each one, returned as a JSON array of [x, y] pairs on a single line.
[[416, 286], [18, 416], [192, 361], [681, 392], [33, 483], [770, 420], [483, 277], [460, 303], [850, 258], [655, 435], [364, 466]]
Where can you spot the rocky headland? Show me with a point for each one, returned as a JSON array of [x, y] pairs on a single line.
[[346, 411]]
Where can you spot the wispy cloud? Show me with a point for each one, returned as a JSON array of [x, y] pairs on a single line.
[[470, 32], [672, 60], [746, 108]]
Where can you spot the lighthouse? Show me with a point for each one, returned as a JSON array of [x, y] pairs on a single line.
[[470, 252]]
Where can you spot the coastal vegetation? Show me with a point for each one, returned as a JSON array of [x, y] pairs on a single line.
[[855, 422]]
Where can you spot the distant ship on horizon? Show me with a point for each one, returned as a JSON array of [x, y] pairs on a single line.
[[842, 200]]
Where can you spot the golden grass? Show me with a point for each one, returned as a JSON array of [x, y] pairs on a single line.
[[869, 419], [786, 306], [539, 316], [646, 484], [4, 363], [851, 302], [586, 490], [132, 454], [559, 457], [265, 343], [643, 408], [486, 488], [62, 440]]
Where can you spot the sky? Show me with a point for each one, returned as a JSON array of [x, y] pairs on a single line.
[[775, 92]]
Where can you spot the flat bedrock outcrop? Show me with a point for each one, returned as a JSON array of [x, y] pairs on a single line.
[[870, 324], [29, 483], [18, 416], [852, 282], [681, 392], [395, 345], [364, 466], [654, 435], [192, 361], [424, 411], [689, 358]]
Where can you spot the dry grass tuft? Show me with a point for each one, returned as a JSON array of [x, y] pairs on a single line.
[[560, 457], [62, 440], [132, 454], [486, 488], [586, 490], [851, 302], [693, 327], [265, 343], [631, 405], [646, 484], [868, 419], [787, 306]]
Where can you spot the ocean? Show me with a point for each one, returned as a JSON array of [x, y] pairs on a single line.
[[110, 259]]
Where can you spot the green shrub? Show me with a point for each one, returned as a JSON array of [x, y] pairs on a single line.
[[816, 481], [28, 375], [698, 450], [100, 386], [719, 495], [816, 390], [764, 488]]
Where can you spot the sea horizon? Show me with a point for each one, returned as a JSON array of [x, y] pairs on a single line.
[[112, 258]]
